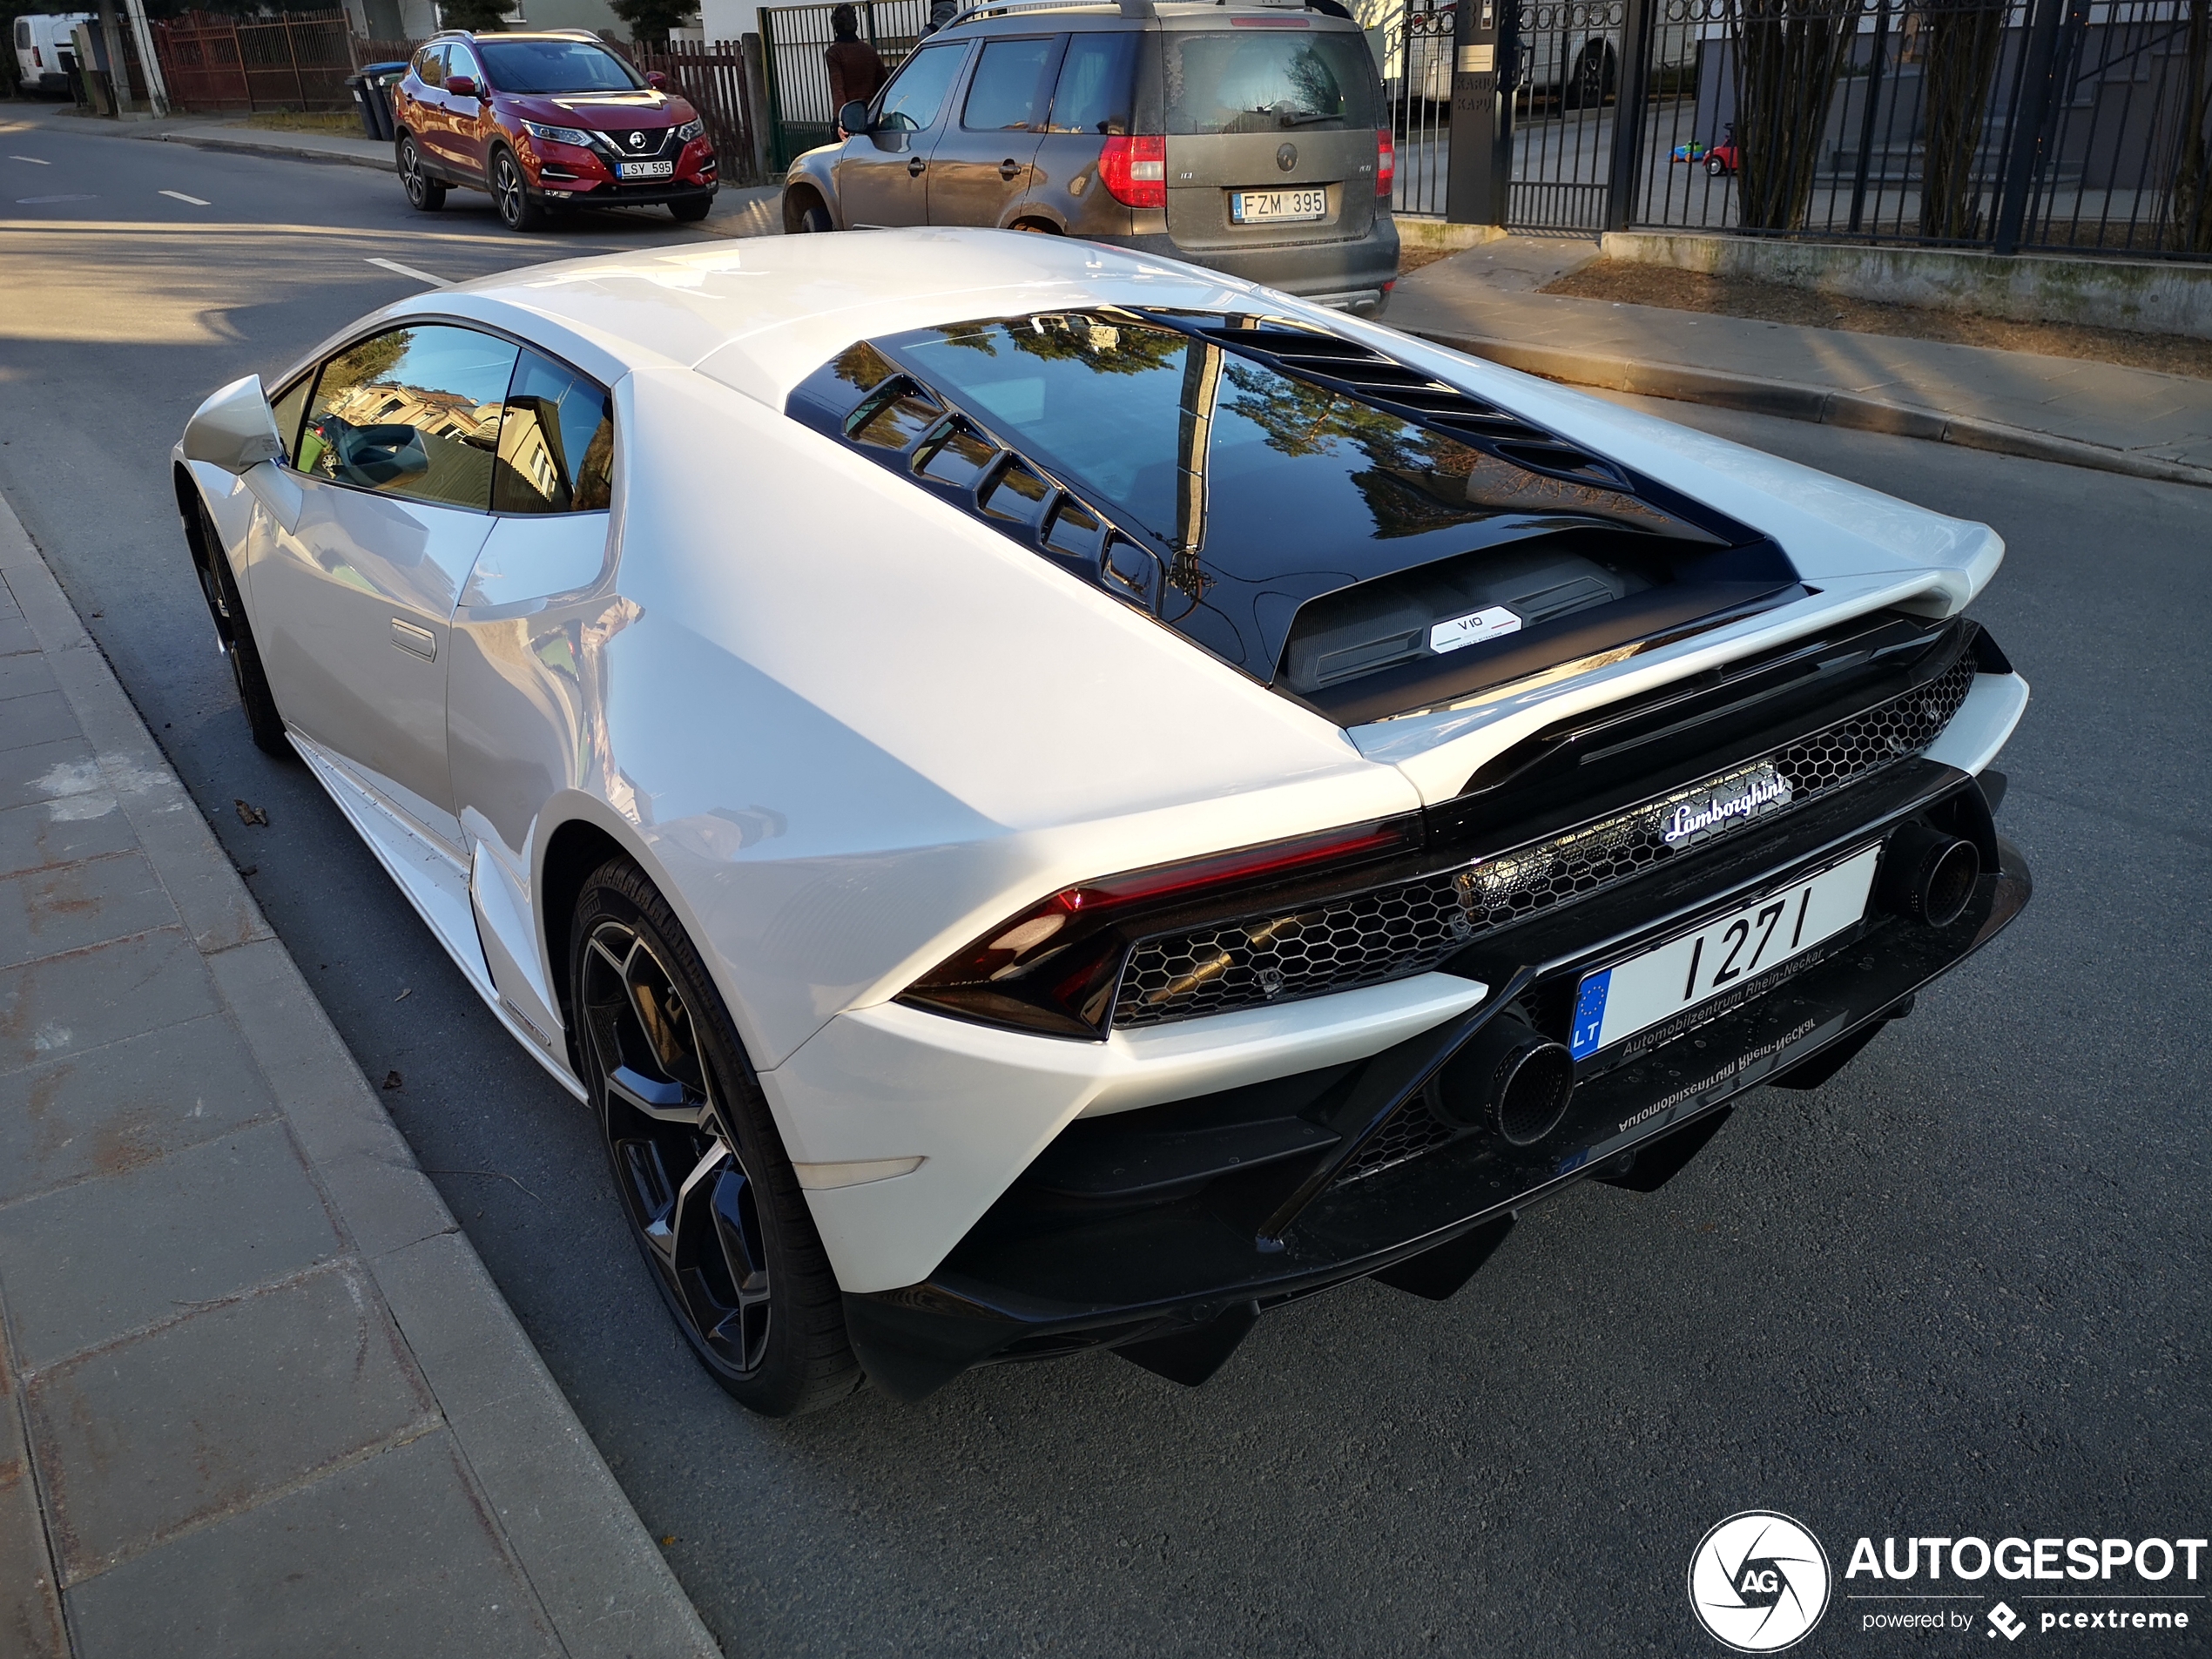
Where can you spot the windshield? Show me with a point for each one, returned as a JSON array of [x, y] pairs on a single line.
[[555, 66], [1266, 80]]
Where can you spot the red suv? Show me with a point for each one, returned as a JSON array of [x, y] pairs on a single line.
[[547, 121]]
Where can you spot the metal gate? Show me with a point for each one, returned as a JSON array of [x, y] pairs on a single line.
[[792, 40], [1566, 71]]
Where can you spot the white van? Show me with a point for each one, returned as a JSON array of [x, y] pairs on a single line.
[[41, 40]]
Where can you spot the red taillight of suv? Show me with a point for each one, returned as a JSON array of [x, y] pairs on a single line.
[[1053, 969], [1385, 164], [1135, 170]]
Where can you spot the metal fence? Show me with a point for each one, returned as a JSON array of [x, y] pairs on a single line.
[[2065, 125], [793, 39], [296, 62]]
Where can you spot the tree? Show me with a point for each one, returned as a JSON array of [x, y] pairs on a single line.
[[2190, 202], [1959, 42], [481, 16], [1788, 53], [650, 20]]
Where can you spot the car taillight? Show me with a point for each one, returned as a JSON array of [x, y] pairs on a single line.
[[1052, 969], [1135, 170], [1385, 164]]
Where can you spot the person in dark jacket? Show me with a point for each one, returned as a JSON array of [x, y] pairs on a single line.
[[856, 74]]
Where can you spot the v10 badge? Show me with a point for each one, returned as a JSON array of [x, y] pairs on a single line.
[[1759, 1581]]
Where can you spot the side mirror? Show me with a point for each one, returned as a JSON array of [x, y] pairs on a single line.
[[233, 429], [657, 81], [462, 85], [855, 119]]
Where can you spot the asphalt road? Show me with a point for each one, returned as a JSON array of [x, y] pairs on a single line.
[[1961, 1290]]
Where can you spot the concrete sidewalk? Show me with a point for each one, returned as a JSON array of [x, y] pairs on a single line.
[[2055, 408], [257, 1396]]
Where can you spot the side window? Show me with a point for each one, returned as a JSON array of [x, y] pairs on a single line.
[[430, 66], [288, 406], [414, 413], [556, 442], [1009, 93], [461, 61], [917, 91], [1095, 84]]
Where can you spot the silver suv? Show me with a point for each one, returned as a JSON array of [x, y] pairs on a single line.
[[1253, 137]]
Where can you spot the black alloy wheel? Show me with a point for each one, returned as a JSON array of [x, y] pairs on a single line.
[[710, 1197], [236, 631], [815, 220], [424, 193], [511, 193]]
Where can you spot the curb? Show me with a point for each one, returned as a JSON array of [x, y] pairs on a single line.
[[1821, 405], [281, 151], [598, 1576]]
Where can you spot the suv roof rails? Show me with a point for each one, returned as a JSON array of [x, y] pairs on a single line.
[[1003, 8]]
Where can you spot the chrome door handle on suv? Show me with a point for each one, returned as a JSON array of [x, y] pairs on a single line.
[[1009, 170], [915, 167]]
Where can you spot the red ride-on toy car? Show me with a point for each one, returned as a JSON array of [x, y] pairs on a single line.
[[1721, 159]]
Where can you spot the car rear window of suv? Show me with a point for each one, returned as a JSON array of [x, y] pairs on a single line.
[[1255, 80]]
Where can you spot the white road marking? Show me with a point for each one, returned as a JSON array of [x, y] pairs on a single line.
[[409, 271], [33, 160], [178, 195]]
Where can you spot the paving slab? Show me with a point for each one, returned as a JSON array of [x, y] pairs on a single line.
[[67, 1004], [33, 837], [88, 1262], [68, 907], [111, 1109], [384, 1558], [203, 1417]]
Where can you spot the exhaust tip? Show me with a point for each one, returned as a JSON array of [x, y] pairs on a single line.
[[1508, 1079], [1927, 876]]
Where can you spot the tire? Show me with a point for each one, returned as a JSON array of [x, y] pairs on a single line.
[[510, 194], [815, 220], [424, 193], [1035, 227], [691, 212], [1715, 167], [228, 608], [733, 1251], [1594, 77]]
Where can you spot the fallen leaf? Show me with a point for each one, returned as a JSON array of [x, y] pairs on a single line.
[[251, 814], [392, 1080], [666, 1542], [403, 995]]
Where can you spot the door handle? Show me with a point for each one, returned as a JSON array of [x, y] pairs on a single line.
[[419, 641], [914, 165], [1009, 170]]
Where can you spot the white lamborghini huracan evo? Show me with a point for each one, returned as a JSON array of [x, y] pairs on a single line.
[[1050, 798]]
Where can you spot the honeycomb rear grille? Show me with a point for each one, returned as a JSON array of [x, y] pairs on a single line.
[[1409, 927], [1412, 1130]]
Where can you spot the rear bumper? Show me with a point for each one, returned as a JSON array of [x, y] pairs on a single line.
[[1082, 1253], [1354, 274]]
